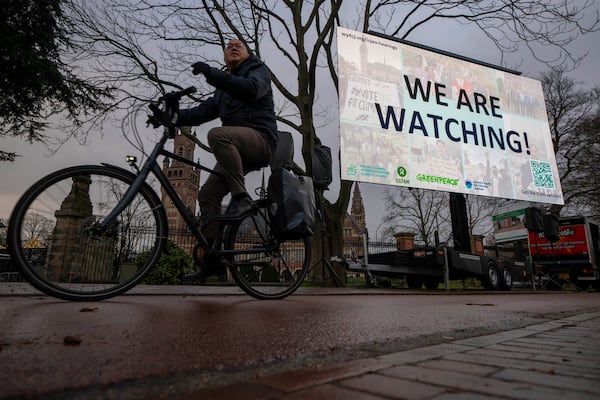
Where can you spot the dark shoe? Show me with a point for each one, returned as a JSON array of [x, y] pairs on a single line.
[[238, 207], [210, 267], [195, 277]]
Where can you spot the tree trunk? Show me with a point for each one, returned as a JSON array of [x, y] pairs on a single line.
[[329, 242]]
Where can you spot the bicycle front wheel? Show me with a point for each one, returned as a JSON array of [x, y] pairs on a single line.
[[263, 266], [54, 236]]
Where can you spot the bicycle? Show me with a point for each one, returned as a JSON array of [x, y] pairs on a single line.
[[109, 228]]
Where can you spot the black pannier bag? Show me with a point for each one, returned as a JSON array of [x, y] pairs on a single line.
[[292, 204]]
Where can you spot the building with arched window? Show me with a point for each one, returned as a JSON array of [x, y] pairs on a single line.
[[185, 179], [355, 226]]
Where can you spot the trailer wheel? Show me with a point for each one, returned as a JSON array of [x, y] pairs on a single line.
[[491, 278], [413, 281], [506, 281], [432, 283]]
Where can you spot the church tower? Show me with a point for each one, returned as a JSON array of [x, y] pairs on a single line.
[[185, 179], [357, 212], [355, 226]]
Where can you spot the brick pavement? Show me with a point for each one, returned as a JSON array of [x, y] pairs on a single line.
[[553, 360]]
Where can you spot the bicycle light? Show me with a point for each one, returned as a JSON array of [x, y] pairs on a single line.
[[132, 160]]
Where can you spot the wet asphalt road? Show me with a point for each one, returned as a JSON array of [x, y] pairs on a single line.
[[47, 345]]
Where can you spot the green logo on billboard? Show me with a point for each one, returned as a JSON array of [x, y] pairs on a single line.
[[401, 172]]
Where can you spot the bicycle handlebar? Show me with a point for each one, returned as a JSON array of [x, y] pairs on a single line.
[[166, 108]]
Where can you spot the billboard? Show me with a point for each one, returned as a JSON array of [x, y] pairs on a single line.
[[417, 118]]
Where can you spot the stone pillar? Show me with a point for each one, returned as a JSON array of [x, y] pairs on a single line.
[[74, 256], [405, 240]]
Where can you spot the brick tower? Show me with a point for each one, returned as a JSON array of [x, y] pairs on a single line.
[[357, 212], [185, 179], [355, 225]]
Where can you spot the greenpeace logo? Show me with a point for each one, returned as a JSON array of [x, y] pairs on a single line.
[[437, 179]]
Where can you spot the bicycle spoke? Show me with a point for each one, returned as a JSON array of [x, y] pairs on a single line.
[[277, 269], [56, 239]]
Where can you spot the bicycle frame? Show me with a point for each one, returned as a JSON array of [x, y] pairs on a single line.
[[151, 166]]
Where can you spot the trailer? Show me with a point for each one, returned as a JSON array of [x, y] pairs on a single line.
[[431, 266], [572, 259]]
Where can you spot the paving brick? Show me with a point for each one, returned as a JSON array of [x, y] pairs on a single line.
[[546, 326], [422, 354], [458, 366], [584, 345], [566, 360], [575, 333], [571, 370], [563, 353], [329, 392], [500, 337], [584, 317], [392, 387], [306, 377], [514, 355], [511, 347], [558, 381], [462, 395], [555, 344], [489, 386], [558, 337], [518, 343]]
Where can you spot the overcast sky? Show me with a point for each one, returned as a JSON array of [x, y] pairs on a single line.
[[36, 162]]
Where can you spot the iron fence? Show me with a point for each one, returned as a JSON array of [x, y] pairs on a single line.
[[8, 270]]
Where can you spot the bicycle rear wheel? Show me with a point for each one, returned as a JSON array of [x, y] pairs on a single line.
[[264, 267], [53, 233]]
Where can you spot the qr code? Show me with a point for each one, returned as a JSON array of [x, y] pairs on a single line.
[[542, 174]]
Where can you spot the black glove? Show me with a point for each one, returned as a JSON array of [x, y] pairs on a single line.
[[200, 68], [157, 117], [154, 121]]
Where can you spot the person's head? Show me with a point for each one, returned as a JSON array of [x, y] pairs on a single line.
[[236, 52]]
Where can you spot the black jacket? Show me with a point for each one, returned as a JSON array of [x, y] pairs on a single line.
[[243, 97]]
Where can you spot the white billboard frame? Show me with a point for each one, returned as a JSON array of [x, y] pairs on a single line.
[[411, 116]]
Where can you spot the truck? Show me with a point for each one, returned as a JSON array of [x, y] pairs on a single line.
[[573, 258]]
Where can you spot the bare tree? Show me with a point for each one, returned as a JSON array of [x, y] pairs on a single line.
[[574, 117], [509, 25], [145, 47], [36, 227], [419, 211], [479, 215], [3, 227]]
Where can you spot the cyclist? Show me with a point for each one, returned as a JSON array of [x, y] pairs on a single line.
[[243, 100]]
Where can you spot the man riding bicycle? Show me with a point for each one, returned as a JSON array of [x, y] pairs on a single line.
[[246, 141]]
